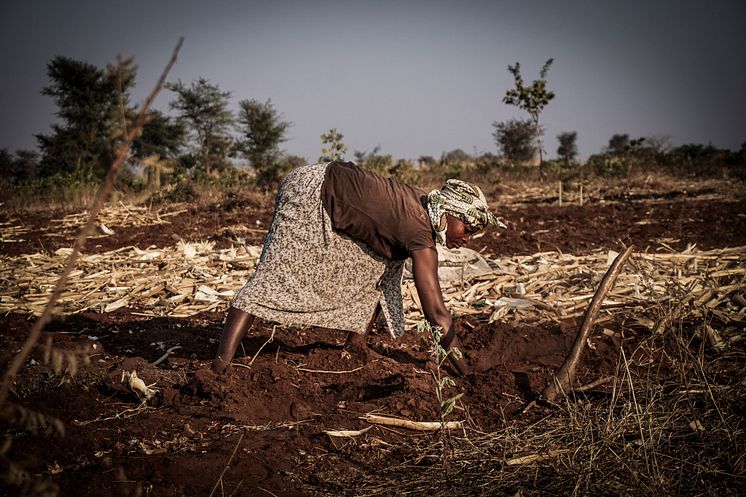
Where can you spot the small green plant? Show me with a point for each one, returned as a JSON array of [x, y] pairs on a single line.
[[333, 148], [532, 98], [433, 335]]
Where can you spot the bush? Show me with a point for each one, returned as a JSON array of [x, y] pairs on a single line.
[[609, 166], [374, 161], [57, 191], [515, 138], [269, 177]]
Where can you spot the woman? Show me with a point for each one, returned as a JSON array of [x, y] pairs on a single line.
[[335, 251]]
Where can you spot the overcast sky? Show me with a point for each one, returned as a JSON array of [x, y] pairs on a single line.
[[413, 77]]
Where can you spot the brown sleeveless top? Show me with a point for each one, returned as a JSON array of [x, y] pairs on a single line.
[[386, 215]]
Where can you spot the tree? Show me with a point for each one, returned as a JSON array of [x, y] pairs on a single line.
[[426, 160], [91, 104], [515, 139], [333, 148], [161, 135], [532, 98], [568, 146], [159, 145], [204, 108], [618, 145], [455, 156], [262, 129]]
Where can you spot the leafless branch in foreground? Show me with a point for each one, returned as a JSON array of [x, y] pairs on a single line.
[[80, 240]]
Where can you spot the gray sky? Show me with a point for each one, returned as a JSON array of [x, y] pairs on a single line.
[[413, 77]]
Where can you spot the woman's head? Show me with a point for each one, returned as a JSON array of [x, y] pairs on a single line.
[[459, 233], [458, 202]]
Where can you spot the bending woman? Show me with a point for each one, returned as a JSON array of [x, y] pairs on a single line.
[[334, 254]]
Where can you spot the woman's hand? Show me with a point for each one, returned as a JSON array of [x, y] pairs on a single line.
[[449, 342], [425, 272]]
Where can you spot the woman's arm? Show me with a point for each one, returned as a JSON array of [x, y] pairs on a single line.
[[425, 271]]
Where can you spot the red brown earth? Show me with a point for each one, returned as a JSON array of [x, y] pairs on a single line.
[[273, 412], [677, 218]]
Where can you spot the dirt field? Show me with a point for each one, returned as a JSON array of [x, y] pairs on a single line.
[[260, 429]]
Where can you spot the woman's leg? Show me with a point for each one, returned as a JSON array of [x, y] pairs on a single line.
[[237, 324]]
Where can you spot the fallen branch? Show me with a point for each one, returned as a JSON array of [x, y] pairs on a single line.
[[593, 384], [98, 203], [563, 378], [165, 356], [412, 425], [533, 458], [347, 433]]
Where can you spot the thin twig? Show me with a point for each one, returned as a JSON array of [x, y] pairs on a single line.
[[265, 490], [269, 340], [227, 466], [98, 203]]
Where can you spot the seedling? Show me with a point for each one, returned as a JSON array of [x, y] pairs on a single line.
[[433, 336]]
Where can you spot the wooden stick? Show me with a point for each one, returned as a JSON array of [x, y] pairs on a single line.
[[165, 356], [533, 458], [347, 433], [590, 386], [412, 425], [565, 375], [98, 203]]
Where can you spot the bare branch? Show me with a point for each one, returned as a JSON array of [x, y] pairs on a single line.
[[565, 375], [98, 203]]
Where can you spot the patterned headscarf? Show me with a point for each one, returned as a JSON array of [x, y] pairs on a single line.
[[461, 200]]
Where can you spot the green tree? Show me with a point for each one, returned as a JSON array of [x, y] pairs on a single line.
[[91, 104], [161, 135], [333, 148], [568, 146], [263, 130], [515, 138], [159, 145], [532, 98], [204, 108], [619, 144]]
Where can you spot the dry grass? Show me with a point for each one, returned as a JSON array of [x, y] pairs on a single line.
[[671, 423]]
